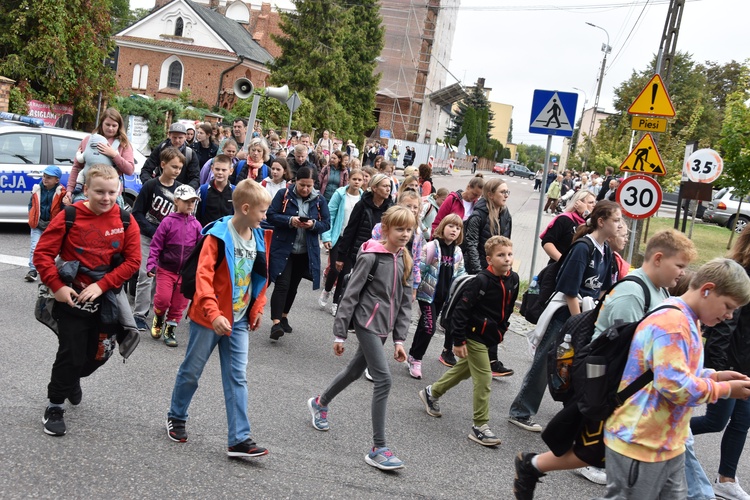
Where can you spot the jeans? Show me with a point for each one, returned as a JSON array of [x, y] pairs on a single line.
[[737, 413], [698, 485], [233, 362], [36, 233], [143, 290], [534, 382]]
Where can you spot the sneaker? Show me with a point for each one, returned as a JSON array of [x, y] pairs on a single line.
[[31, 276], [319, 414], [156, 326], [498, 370], [176, 430], [334, 309], [140, 323], [431, 405], [525, 423], [729, 491], [277, 331], [484, 435], [526, 477], [285, 325], [367, 375], [54, 423], [247, 448], [448, 358], [169, 335], [415, 367], [76, 395], [323, 299], [593, 474], [384, 459]]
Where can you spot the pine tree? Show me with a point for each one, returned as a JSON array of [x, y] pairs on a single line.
[[474, 120]]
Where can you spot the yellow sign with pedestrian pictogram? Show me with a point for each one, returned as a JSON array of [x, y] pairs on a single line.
[[644, 159], [653, 100]]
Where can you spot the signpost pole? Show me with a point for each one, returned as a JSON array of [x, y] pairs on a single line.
[[538, 229], [632, 238]]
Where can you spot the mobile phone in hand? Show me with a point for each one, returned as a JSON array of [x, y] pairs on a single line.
[[304, 219]]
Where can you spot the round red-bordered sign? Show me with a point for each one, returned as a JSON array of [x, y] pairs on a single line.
[[639, 196]]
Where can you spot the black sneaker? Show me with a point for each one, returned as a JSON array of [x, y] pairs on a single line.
[[277, 331], [247, 448], [447, 358], [498, 370], [176, 430], [76, 394], [140, 323], [525, 423], [431, 404], [54, 423], [285, 325], [526, 477], [31, 276]]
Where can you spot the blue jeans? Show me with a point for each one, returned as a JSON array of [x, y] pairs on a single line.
[[737, 413], [698, 485], [36, 233], [233, 361], [534, 382]]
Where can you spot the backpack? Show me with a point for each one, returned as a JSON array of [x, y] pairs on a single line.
[[370, 276], [598, 368], [456, 290], [190, 267], [581, 328]]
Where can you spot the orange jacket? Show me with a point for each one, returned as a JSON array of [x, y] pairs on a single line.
[[35, 209]]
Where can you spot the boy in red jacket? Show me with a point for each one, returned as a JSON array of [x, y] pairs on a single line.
[[86, 307]]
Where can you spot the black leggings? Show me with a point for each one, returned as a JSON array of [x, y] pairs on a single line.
[[332, 275], [426, 329], [285, 289], [344, 271]]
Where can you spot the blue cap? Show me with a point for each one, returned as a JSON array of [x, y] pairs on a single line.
[[53, 171]]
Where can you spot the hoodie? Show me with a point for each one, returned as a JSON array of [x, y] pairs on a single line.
[[173, 242], [385, 305]]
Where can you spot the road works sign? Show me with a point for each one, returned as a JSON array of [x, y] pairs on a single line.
[[653, 100], [644, 159], [553, 113]]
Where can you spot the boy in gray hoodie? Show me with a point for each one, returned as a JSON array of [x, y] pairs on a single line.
[[377, 303]]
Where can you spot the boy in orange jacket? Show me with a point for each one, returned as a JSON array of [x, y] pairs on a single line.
[[45, 203], [230, 293]]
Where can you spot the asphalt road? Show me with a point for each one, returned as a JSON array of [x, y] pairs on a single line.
[[116, 446]]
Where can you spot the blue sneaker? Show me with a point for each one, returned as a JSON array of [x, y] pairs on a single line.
[[319, 414], [140, 323], [384, 459]]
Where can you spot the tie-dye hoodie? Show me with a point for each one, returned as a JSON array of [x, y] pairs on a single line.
[[653, 425]]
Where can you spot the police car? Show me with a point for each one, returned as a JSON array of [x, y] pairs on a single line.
[[26, 149]]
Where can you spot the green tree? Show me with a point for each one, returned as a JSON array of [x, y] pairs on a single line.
[[735, 144], [55, 51], [332, 63], [473, 120]]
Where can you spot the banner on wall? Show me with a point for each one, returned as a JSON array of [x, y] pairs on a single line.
[[57, 115]]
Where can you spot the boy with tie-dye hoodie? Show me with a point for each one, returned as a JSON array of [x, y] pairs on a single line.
[[645, 437]]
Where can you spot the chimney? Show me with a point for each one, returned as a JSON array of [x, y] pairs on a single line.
[[480, 83]]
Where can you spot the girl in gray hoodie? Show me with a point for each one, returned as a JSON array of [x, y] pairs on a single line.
[[377, 303]]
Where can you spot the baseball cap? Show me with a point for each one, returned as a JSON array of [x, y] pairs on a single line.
[[53, 171], [177, 127], [185, 193]]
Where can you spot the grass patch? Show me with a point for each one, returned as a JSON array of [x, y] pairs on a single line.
[[710, 240]]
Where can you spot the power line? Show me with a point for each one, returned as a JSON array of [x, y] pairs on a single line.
[[625, 43]]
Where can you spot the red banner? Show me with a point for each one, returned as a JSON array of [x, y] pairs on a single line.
[[59, 115]]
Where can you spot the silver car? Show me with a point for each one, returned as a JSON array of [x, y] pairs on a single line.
[[26, 150], [723, 210]]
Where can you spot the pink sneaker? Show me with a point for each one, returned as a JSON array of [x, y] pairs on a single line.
[[415, 367]]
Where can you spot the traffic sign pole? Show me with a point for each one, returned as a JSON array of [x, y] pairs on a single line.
[[538, 229]]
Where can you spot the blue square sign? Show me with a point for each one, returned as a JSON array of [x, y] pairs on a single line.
[[553, 113]]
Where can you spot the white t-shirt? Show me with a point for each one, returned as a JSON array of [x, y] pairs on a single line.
[[468, 208], [349, 202]]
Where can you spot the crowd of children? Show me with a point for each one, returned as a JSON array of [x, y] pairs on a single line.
[[256, 220]]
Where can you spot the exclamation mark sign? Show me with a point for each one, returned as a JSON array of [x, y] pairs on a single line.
[[654, 89]]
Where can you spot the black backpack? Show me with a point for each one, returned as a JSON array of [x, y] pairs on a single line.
[[598, 368], [190, 267], [454, 293], [581, 328]]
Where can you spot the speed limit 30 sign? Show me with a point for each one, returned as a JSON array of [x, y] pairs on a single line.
[[639, 196]]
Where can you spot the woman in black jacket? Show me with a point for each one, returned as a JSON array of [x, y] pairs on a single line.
[[728, 348], [490, 217]]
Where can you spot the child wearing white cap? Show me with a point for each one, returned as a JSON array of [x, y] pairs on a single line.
[[45, 203]]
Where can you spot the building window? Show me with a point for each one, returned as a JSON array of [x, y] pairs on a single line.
[[136, 76], [143, 83], [178, 26], [174, 79]]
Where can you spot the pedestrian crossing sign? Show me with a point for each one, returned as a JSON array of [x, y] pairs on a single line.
[[553, 113], [653, 100], [644, 159]]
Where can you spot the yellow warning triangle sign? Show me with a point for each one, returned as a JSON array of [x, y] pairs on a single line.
[[644, 159], [653, 100]]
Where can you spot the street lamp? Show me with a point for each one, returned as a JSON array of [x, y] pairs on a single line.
[[606, 49], [585, 101]]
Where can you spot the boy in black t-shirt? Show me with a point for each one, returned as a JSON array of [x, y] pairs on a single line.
[[216, 194]]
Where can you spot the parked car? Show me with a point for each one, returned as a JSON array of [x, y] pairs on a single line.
[[500, 168], [26, 150], [722, 210], [519, 170]]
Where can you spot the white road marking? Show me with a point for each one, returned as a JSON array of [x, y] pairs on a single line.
[[13, 260]]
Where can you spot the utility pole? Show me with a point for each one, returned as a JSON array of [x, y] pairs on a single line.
[[606, 49]]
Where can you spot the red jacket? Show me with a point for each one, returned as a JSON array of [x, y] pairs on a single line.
[[453, 204], [92, 240]]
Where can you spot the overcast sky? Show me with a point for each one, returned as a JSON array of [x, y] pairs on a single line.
[[522, 45]]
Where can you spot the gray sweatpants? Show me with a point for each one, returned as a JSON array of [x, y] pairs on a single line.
[[630, 479], [144, 288], [369, 355]]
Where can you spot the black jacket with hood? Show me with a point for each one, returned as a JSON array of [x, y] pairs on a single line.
[[365, 215], [728, 343], [477, 232]]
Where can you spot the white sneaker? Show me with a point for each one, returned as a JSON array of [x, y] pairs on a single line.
[[323, 300], [729, 491], [593, 474], [334, 309], [367, 375]]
